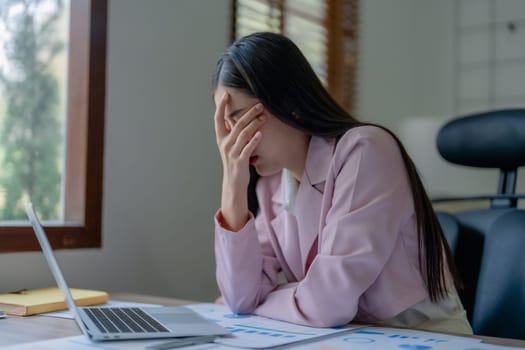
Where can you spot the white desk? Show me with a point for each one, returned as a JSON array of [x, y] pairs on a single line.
[[16, 330]]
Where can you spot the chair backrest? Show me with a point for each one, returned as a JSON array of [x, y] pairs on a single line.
[[489, 244], [500, 298]]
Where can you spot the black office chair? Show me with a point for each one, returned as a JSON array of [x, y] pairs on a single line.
[[489, 244]]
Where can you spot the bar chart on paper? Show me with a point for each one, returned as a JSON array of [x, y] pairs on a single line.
[[259, 332]]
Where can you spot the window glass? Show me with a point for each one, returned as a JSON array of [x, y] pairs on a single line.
[[33, 84]]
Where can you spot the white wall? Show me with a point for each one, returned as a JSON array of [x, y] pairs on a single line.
[[406, 82], [161, 168], [386, 76], [405, 73]]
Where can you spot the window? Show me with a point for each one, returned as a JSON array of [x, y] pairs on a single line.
[[325, 30], [77, 221]]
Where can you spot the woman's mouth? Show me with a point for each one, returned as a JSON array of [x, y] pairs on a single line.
[[253, 159]]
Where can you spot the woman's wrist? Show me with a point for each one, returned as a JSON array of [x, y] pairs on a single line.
[[232, 221], [234, 209]]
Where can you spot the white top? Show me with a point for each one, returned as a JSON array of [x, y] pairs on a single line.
[[291, 185], [447, 316]]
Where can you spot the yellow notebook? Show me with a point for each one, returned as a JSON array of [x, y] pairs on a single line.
[[36, 301]]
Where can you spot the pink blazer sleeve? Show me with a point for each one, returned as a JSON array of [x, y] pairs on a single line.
[[366, 201], [247, 267]]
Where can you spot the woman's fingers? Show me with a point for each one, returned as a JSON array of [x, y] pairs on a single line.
[[251, 145], [245, 127], [247, 134], [228, 121], [237, 139], [246, 119], [220, 124]]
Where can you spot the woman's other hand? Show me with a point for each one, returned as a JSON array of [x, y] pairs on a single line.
[[237, 139]]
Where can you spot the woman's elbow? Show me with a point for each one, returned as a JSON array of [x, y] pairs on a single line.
[[241, 298], [327, 317], [328, 322], [240, 305]]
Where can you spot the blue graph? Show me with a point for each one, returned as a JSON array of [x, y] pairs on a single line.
[[235, 316], [269, 332], [364, 331], [358, 340], [425, 340], [414, 347]]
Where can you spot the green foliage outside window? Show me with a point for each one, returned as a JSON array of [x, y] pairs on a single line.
[[30, 127]]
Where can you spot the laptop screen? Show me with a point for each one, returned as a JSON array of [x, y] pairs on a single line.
[[53, 265]]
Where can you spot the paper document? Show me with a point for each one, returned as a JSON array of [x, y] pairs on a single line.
[[370, 338], [259, 332], [379, 338], [82, 343]]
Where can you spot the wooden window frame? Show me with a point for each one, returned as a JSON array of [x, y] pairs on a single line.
[[340, 65], [85, 139]]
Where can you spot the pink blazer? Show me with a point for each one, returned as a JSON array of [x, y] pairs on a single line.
[[349, 253]]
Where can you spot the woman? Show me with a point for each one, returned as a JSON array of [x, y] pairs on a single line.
[[342, 212]]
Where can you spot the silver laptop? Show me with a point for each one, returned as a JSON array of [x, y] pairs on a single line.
[[114, 323]]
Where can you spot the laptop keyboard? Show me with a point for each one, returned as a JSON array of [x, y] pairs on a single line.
[[123, 320]]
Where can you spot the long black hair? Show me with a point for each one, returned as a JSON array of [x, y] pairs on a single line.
[[271, 68]]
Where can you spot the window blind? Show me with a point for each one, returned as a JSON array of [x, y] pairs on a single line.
[[324, 30]]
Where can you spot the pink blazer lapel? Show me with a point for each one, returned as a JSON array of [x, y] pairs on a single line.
[[310, 194]]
